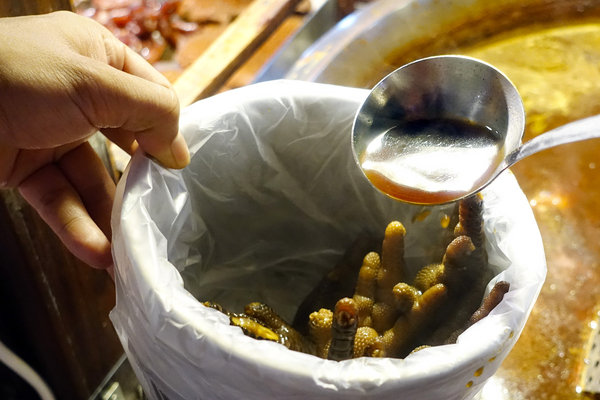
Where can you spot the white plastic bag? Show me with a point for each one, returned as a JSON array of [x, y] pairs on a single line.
[[270, 201]]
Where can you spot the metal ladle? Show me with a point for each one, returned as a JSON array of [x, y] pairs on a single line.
[[442, 128]]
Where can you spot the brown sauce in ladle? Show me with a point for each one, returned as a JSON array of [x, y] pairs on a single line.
[[417, 161]]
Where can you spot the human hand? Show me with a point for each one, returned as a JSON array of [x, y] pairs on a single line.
[[62, 78]]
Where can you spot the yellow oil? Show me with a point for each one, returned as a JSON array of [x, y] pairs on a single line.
[[556, 71]]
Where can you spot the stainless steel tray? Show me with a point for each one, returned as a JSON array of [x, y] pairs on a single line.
[[551, 51]]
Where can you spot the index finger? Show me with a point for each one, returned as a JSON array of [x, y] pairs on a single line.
[[121, 57], [131, 102], [133, 63], [135, 107]]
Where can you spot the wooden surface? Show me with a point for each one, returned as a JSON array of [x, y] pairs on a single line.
[[247, 73], [54, 308], [231, 49]]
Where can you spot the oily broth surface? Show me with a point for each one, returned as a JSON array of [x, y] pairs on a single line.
[[556, 72]]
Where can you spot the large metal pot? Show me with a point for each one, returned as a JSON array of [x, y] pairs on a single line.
[[551, 51]]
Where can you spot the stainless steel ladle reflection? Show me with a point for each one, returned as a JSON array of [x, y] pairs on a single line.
[[409, 134]]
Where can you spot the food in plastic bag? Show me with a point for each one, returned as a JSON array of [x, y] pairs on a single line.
[[271, 200], [390, 316]]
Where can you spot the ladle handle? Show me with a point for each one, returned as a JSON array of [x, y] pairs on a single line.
[[587, 128]]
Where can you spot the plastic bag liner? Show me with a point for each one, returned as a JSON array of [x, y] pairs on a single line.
[[271, 200]]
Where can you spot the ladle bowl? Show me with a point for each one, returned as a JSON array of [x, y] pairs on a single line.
[[442, 128]]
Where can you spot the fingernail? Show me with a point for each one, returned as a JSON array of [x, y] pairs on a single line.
[[180, 151]]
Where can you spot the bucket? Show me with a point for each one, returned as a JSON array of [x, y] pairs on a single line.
[[270, 201]]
